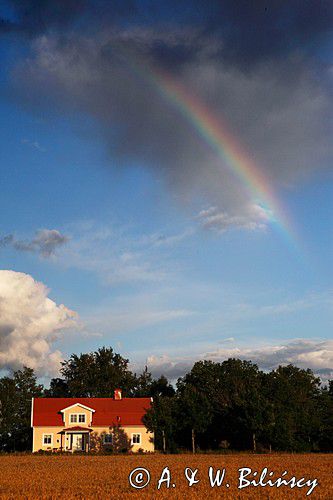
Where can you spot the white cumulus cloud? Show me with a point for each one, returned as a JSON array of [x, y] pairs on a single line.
[[29, 324], [256, 217]]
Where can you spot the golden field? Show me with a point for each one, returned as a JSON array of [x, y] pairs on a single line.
[[78, 476]]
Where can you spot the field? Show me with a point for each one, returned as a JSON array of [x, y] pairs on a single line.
[[34, 476]]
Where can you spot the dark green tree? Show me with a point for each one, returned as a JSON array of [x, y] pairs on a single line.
[[121, 443], [194, 410], [98, 374], [325, 410], [237, 407], [8, 408], [161, 419], [293, 394], [243, 405], [327, 418], [58, 389], [16, 394], [143, 384], [162, 387]]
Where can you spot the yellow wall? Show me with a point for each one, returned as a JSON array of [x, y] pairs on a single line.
[[77, 409], [146, 444], [38, 438], [147, 438]]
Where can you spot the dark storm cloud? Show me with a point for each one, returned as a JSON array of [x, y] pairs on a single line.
[[280, 111], [45, 242], [33, 17], [253, 64], [256, 30], [250, 30]]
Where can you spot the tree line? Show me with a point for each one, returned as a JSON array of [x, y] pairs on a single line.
[[232, 404]]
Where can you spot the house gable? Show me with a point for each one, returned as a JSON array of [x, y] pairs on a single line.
[[77, 404], [77, 414]]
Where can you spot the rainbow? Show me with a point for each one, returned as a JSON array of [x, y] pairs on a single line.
[[216, 134]]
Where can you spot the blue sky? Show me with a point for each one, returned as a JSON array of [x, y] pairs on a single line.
[[144, 272]]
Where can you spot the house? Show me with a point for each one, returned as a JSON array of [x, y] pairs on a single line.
[[77, 424]]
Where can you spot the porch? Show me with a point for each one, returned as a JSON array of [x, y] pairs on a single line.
[[75, 439]]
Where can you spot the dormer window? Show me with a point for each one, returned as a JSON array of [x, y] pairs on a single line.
[[77, 418], [73, 415]]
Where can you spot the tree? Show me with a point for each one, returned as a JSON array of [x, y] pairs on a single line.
[[8, 408], [143, 384], [58, 389], [121, 443], [194, 409], [161, 419], [236, 410], [98, 374], [146, 386], [162, 387], [325, 410], [294, 394], [243, 404], [16, 393]]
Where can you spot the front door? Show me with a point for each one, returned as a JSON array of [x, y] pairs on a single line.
[[77, 442]]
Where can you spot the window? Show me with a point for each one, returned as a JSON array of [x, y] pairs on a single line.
[[136, 438], [77, 417], [107, 439], [47, 439]]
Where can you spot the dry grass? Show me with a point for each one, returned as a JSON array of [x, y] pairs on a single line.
[[65, 477]]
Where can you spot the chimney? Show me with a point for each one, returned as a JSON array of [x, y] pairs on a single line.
[[117, 394]]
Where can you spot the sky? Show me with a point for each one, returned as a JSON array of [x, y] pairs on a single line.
[[166, 182]]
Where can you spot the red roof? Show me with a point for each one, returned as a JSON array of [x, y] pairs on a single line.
[[47, 411], [76, 428]]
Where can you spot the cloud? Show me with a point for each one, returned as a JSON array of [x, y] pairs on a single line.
[[34, 144], [45, 242], [30, 17], [119, 254], [253, 32], [246, 310], [171, 368], [273, 98], [30, 322], [283, 25], [162, 240], [301, 352], [213, 219], [227, 340], [317, 355], [116, 320], [6, 240]]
